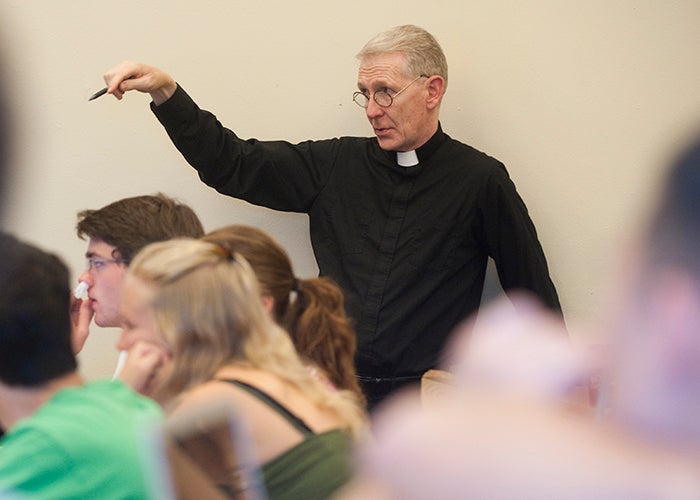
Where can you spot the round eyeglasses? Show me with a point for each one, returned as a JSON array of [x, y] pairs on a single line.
[[383, 98]]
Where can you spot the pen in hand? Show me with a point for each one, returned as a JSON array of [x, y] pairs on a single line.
[[98, 94], [103, 91]]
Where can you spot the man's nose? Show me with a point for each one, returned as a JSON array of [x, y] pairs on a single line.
[[373, 109], [85, 276]]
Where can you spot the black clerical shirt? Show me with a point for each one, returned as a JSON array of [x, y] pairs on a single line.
[[408, 245]]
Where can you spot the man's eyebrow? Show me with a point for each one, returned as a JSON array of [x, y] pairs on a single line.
[[90, 254], [380, 84]]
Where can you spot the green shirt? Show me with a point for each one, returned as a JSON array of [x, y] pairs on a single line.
[[83, 443]]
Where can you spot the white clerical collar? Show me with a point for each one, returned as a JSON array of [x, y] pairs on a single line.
[[407, 158]]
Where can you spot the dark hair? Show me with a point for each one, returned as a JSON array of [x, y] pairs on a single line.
[[130, 224], [312, 311], [674, 233], [35, 328]]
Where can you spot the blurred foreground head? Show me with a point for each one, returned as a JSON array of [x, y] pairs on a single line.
[[656, 331], [35, 332]]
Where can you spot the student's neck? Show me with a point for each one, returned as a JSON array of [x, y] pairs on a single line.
[[17, 403]]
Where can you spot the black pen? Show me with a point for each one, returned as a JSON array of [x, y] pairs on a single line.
[[98, 94]]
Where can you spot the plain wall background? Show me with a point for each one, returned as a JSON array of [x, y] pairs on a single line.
[[583, 102]]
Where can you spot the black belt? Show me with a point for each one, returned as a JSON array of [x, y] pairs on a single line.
[[388, 380]]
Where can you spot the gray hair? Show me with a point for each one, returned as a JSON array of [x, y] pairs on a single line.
[[423, 53]]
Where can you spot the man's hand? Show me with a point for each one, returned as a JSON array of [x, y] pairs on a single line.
[[130, 75]]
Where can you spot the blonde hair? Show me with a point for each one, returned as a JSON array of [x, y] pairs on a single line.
[[207, 307], [422, 52]]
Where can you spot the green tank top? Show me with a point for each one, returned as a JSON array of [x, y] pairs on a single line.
[[315, 468]]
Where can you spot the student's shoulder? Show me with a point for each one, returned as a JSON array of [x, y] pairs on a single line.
[[31, 443], [115, 396], [209, 392]]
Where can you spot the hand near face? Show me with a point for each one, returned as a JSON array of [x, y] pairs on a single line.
[[142, 365], [81, 314]]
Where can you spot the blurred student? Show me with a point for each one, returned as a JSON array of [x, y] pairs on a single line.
[[311, 310], [656, 324], [66, 438], [115, 233], [197, 310]]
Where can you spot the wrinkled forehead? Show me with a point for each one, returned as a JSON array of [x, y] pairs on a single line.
[[383, 67]]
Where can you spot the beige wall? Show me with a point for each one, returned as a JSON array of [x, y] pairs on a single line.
[[582, 101]]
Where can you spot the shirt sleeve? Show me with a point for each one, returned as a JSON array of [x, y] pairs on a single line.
[[274, 174], [512, 240]]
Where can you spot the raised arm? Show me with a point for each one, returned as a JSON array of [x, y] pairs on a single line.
[[130, 75]]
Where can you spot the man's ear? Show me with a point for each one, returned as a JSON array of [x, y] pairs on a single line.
[[436, 88]]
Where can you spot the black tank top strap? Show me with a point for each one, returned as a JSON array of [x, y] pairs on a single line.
[[295, 421]]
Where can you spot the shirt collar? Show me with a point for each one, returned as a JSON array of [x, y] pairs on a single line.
[[407, 158]]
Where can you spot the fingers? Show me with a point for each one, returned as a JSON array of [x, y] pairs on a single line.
[[81, 315], [115, 77], [142, 366], [130, 75]]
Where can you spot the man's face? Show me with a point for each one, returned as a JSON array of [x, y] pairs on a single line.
[[105, 280], [138, 323], [403, 126]]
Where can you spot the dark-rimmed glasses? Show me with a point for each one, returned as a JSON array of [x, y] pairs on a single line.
[[382, 97]]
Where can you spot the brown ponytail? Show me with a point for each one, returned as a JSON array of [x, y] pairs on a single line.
[[312, 311], [322, 331]]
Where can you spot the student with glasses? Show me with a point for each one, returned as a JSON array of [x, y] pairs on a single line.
[[403, 221], [115, 233]]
